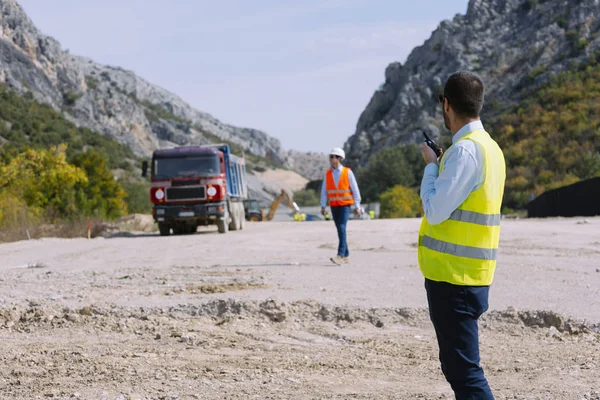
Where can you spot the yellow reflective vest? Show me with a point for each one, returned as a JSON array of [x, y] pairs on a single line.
[[463, 249]]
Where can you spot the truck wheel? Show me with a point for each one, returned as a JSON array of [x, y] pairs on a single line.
[[234, 225], [242, 219], [191, 229], [223, 224], [164, 229]]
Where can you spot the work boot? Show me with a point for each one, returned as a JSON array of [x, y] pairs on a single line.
[[346, 260], [337, 260]]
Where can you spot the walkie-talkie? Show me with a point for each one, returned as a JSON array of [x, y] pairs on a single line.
[[437, 149]]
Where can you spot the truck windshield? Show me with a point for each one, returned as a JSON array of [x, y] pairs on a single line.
[[186, 167]]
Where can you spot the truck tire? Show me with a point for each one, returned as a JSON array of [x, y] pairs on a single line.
[[164, 229], [234, 225], [242, 218], [223, 224]]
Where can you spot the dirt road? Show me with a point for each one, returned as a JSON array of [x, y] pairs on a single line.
[[261, 314]]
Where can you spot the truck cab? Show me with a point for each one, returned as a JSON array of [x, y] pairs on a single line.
[[195, 186]]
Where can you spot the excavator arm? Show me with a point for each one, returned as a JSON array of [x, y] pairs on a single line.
[[284, 196]]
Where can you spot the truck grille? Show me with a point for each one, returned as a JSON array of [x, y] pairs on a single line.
[[192, 182], [186, 193]]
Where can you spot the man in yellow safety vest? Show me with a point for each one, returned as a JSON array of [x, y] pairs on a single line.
[[458, 241]]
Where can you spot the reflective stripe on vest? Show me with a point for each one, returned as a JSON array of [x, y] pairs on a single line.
[[340, 195], [475, 217], [463, 249], [457, 250]]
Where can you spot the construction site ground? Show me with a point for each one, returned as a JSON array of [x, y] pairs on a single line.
[[263, 314]]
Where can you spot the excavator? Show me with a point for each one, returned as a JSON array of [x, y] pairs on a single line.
[[288, 200], [254, 213]]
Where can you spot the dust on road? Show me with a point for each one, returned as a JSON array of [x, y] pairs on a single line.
[[261, 314]]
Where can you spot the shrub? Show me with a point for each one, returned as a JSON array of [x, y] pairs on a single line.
[[101, 195], [572, 35], [138, 198], [154, 112], [530, 4], [13, 210], [69, 98], [49, 186], [45, 181], [92, 83], [306, 198], [537, 71], [400, 165], [400, 202], [315, 185], [551, 138]]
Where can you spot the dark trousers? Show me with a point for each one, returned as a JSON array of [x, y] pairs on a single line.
[[454, 311], [340, 217]]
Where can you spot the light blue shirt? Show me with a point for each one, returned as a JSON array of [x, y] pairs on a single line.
[[463, 173], [336, 178]]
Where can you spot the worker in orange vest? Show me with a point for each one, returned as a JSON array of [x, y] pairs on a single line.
[[341, 191]]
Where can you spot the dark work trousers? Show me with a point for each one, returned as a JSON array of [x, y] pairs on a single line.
[[340, 217], [454, 311]]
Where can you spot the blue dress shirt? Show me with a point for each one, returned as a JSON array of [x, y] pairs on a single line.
[[463, 173]]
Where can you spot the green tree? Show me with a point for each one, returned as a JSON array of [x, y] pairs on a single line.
[[45, 181], [306, 198], [400, 202], [138, 197], [101, 195], [388, 168]]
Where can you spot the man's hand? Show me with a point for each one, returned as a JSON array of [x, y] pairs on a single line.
[[428, 154], [323, 211], [358, 211]]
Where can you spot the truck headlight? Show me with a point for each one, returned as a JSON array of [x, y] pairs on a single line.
[[160, 211]]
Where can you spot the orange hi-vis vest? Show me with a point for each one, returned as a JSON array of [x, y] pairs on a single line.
[[342, 194]]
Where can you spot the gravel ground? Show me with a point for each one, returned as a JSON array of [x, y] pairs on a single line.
[[262, 314]]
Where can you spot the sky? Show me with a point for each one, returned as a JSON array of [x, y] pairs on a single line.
[[302, 71]]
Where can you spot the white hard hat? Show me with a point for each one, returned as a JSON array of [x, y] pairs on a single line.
[[338, 152]]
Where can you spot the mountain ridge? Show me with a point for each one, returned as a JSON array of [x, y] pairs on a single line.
[[515, 45], [111, 100]]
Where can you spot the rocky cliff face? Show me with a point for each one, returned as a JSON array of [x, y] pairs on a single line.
[[310, 165], [110, 100], [513, 44]]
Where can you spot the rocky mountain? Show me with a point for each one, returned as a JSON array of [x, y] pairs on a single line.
[[515, 45], [111, 100], [310, 165]]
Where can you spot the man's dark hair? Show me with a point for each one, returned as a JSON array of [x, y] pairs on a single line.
[[464, 91]]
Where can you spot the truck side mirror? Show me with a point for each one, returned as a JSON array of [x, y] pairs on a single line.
[[144, 169]]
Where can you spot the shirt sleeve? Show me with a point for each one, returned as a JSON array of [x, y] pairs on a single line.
[[323, 195], [442, 194], [354, 188]]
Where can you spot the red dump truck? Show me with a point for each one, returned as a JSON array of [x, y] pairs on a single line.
[[197, 186]]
